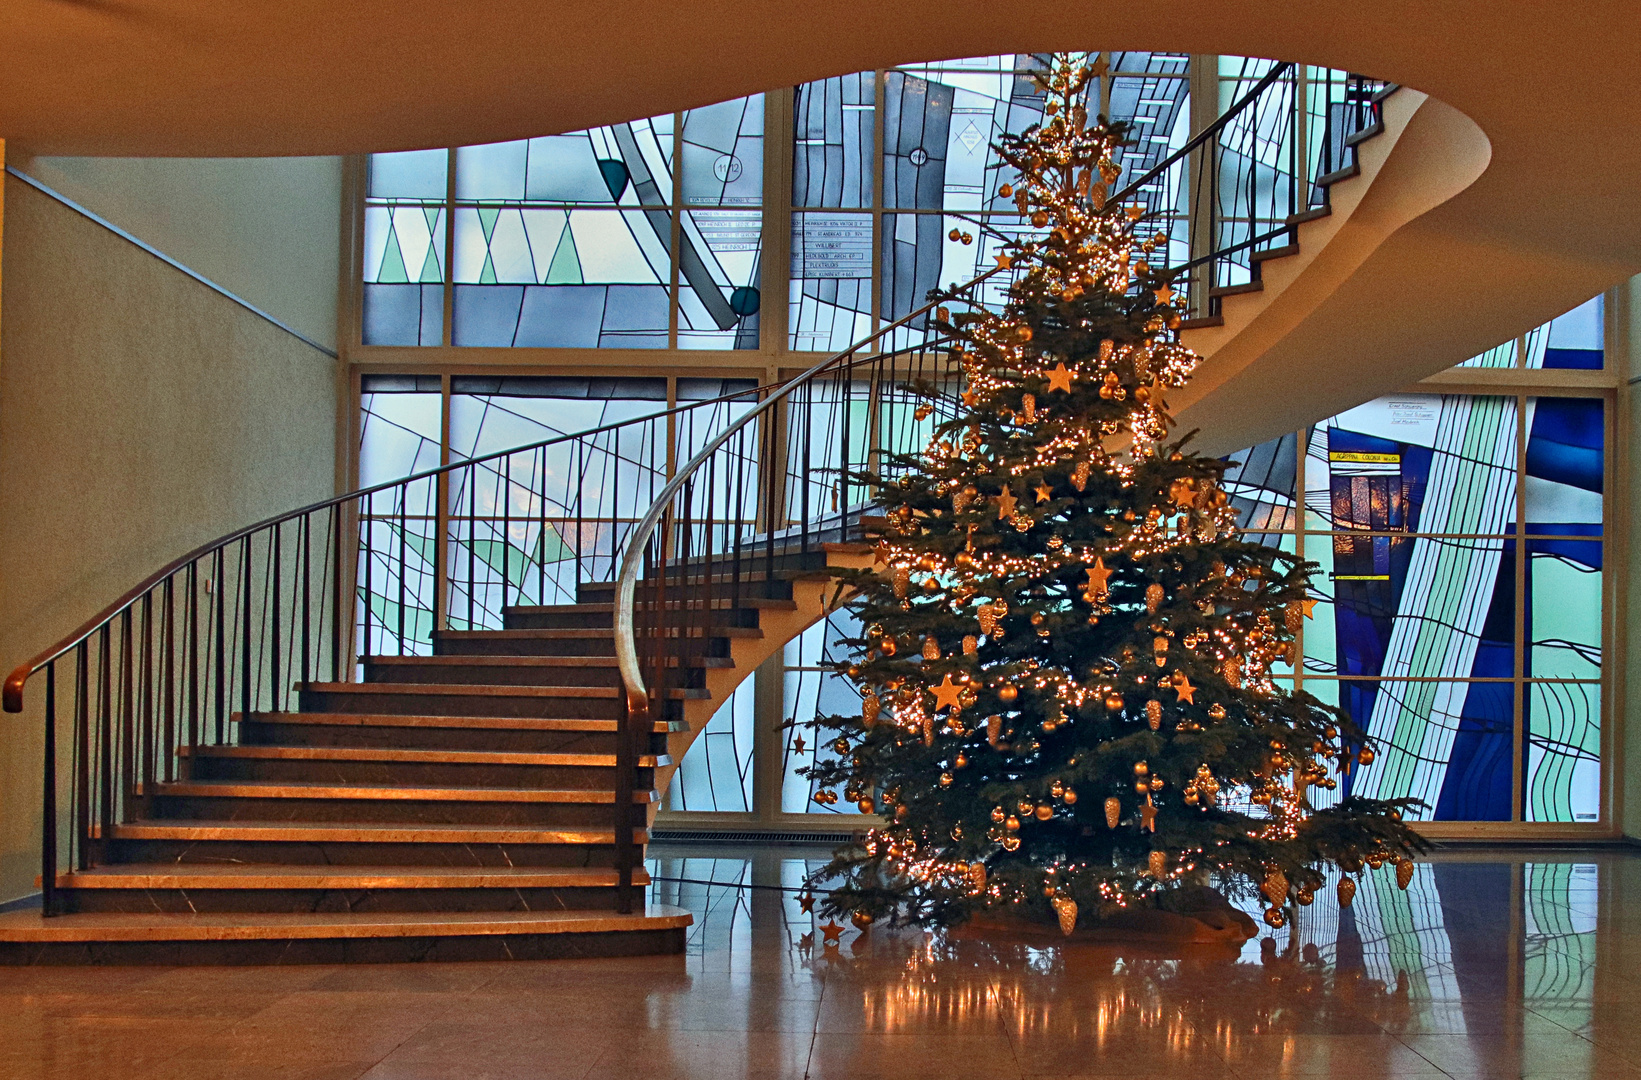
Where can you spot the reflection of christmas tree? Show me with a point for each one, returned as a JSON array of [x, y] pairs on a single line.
[[1069, 659]]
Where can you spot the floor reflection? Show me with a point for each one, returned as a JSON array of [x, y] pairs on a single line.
[[1486, 966], [1492, 965]]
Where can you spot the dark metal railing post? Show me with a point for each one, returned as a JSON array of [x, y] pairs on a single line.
[[82, 771], [48, 801], [632, 714], [245, 635]]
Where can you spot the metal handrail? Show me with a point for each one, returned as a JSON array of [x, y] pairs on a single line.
[[11, 694]]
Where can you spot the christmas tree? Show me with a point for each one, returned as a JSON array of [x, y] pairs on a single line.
[[1068, 659]]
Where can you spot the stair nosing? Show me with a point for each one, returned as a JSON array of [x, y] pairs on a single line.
[[415, 755], [462, 689], [372, 832], [475, 723], [301, 789], [297, 876], [164, 926]]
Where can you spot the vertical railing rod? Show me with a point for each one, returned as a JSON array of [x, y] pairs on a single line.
[[48, 800], [168, 676], [82, 778], [275, 558]]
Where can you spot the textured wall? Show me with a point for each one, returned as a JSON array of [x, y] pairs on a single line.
[[141, 414], [265, 229]]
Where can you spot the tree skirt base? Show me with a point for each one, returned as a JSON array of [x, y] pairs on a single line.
[[1200, 917]]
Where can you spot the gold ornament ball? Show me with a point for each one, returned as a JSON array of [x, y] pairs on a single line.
[[1012, 823], [960, 761], [946, 779], [1045, 812], [1216, 711], [1275, 919], [865, 806], [861, 919], [1008, 693], [1113, 702], [1347, 891], [1070, 797], [1365, 755]]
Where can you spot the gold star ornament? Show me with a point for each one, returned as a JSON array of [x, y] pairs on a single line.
[[947, 695], [1183, 687], [1098, 576], [1044, 493], [1310, 607], [1164, 294], [1060, 378], [1005, 505]]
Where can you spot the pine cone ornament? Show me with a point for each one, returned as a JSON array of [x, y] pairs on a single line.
[[1158, 864], [903, 581], [1404, 874], [870, 707], [1293, 616], [994, 728], [971, 645], [1347, 891], [1153, 714], [931, 648], [1153, 597], [1275, 888], [1113, 812], [977, 877], [1066, 909], [988, 619]]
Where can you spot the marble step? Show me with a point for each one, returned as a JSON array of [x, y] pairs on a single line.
[[410, 767], [342, 843], [457, 699], [381, 804], [436, 732], [491, 670], [335, 937], [573, 641], [240, 887], [250, 876]]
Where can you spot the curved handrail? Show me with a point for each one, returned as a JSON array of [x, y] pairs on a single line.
[[11, 693]]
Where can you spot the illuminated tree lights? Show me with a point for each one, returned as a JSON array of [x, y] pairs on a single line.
[[1070, 662]]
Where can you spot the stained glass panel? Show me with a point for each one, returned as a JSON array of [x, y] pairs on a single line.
[[716, 773], [810, 692], [403, 296], [1565, 461], [1563, 722], [831, 285]]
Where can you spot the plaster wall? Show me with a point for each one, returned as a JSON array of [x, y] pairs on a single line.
[[141, 414], [266, 229]]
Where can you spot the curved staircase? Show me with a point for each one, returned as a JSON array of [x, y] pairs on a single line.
[[357, 732]]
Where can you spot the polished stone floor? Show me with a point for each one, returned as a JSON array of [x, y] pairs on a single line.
[[1492, 964]]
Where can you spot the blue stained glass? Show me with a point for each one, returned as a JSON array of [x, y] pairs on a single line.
[[716, 772], [723, 153], [1576, 339], [1478, 784], [834, 142], [1565, 462], [1260, 482], [412, 174]]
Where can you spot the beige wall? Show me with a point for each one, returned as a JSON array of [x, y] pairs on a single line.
[[141, 414], [265, 229]]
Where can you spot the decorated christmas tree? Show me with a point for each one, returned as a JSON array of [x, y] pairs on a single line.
[[1070, 662]]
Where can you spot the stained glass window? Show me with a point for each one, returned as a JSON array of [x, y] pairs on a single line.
[[643, 235], [716, 773], [811, 691], [403, 300], [1459, 596]]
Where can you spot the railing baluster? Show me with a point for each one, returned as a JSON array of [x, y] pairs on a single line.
[[305, 542], [219, 689], [275, 558], [193, 654], [506, 527], [168, 676], [48, 800], [105, 732], [339, 608], [128, 718], [82, 735], [245, 633], [149, 750]]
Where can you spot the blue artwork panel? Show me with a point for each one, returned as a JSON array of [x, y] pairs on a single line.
[[1565, 465], [1574, 340], [834, 144]]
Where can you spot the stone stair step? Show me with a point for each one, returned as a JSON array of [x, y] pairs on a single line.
[[401, 754], [102, 926], [253, 876], [285, 789], [341, 832]]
